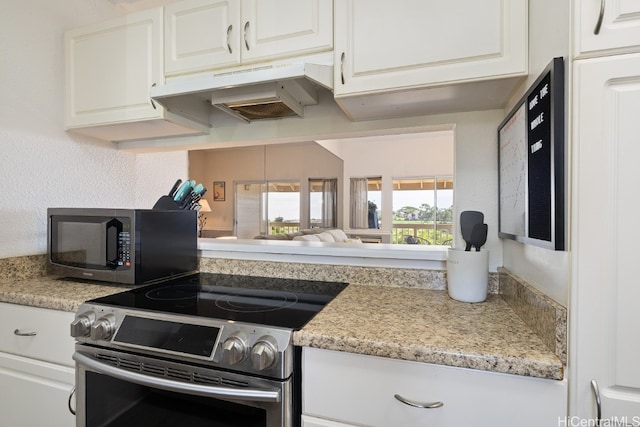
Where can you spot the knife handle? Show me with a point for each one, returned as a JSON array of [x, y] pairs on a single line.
[[174, 188]]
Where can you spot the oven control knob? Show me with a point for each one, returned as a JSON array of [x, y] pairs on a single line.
[[234, 350], [103, 328], [81, 326], [264, 353]]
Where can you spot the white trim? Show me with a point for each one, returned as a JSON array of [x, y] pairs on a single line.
[[367, 255]]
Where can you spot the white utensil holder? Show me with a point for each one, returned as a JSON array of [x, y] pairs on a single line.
[[467, 275]]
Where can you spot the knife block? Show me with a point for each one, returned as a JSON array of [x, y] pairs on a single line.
[[166, 203], [467, 275]]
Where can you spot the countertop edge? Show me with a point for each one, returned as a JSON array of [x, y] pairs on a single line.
[[488, 363]]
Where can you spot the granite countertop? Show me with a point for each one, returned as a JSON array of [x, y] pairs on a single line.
[[55, 293], [428, 326], [403, 323]]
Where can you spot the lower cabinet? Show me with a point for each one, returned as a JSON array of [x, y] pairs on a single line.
[[37, 373], [341, 389], [35, 393]]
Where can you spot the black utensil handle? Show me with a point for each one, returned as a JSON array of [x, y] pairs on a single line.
[[175, 187]]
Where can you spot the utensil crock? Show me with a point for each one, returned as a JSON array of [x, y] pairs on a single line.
[[467, 275]]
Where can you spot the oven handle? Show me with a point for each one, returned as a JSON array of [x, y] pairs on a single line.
[[177, 386]]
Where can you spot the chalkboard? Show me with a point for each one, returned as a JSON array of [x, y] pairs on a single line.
[[531, 164]]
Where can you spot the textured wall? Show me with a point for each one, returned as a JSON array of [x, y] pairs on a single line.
[[40, 164]]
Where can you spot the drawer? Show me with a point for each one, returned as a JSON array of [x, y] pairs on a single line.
[[361, 390], [50, 341]]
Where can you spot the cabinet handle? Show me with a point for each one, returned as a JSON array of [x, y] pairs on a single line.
[[228, 36], [596, 30], [431, 405], [73, 392], [342, 68], [596, 394], [153, 104], [246, 30], [25, 334]]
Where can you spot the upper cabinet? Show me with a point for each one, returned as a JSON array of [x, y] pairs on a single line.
[[421, 57], [110, 68], [382, 45], [604, 28], [203, 35]]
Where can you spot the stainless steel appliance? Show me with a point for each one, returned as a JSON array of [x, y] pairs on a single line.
[[208, 349], [132, 246]]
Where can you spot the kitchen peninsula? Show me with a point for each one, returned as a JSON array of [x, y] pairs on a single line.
[[487, 336]]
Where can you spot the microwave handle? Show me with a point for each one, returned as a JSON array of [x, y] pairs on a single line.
[[111, 240], [177, 386]]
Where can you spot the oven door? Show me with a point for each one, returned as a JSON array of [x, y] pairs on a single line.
[[121, 389]]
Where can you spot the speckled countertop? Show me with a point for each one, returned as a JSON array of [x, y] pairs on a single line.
[[428, 326], [404, 323], [53, 293]]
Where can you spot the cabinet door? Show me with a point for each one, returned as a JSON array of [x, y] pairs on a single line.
[[110, 68], [605, 235], [35, 393], [607, 26], [277, 28], [382, 45], [201, 35]]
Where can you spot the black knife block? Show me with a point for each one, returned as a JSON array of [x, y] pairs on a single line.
[[166, 203]]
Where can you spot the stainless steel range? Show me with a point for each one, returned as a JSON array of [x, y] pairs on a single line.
[[207, 349]]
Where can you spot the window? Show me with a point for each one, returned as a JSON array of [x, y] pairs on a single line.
[[365, 202], [283, 206], [271, 207], [423, 211], [323, 202]]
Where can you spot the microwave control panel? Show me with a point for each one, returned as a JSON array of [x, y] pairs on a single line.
[[124, 249]]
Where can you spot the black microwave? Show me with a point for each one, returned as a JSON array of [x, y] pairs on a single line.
[[133, 246]]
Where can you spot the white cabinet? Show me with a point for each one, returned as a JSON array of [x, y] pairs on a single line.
[[605, 27], [604, 292], [382, 45], [355, 389], [110, 67], [205, 35], [35, 393], [36, 367], [308, 421], [201, 35]]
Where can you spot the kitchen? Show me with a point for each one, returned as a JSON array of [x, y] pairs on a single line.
[[45, 166]]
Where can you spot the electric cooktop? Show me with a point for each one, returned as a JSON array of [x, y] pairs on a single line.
[[286, 303]]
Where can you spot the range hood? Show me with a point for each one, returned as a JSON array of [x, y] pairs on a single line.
[[272, 92]]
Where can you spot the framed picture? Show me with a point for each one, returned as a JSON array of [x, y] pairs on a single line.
[[218, 191]]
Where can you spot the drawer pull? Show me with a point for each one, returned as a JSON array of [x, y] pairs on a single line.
[[25, 334], [431, 405]]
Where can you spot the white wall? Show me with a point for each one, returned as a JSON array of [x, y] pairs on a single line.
[[548, 38], [40, 164]]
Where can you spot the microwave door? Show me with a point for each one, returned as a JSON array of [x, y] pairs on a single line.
[[86, 242]]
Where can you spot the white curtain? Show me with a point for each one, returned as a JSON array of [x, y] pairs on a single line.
[[330, 203], [359, 208]]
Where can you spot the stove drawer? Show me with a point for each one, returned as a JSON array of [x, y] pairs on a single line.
[[36, 333], [374, 391]]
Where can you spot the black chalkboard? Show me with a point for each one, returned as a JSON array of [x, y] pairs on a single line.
[[531, 164]]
